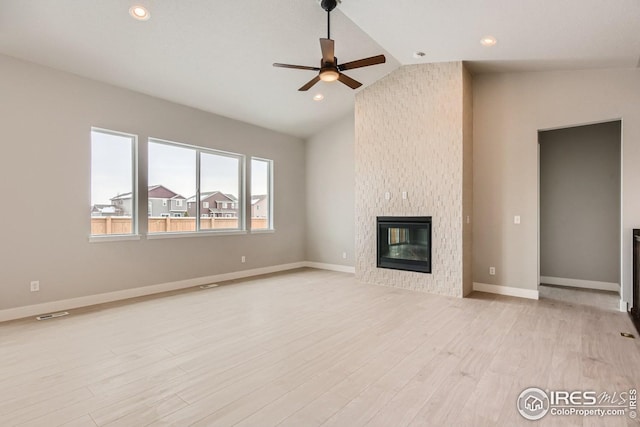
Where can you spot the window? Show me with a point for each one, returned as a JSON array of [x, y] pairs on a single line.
[[261, 194], [164, 202], [195, 173], [221, 178], [172, 170], [113, 183]]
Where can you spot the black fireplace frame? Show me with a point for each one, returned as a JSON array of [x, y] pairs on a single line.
[[403, 222]]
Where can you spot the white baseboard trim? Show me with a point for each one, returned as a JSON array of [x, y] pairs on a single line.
[[68, 304], [506, 290], [623, 306], [578, 283], [332, 267]]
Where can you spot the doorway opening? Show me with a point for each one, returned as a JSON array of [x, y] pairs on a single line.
[[580, 214]]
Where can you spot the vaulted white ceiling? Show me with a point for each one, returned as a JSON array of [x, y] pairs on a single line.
[[216, 55], [531, 34]]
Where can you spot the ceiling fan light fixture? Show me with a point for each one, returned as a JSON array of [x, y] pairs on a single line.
[[329, 75]]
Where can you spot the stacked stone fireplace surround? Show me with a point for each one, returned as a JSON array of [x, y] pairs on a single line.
[[414, 135]]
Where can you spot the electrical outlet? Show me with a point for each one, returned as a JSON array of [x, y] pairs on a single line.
[[516, 219], [492, 271], [344, 255], [35, 286], [404, 195], [243, 259], [387, 195]]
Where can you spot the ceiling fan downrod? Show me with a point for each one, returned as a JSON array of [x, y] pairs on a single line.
[[328, 5]]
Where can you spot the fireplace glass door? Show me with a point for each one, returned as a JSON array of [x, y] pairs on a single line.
[[404, 243]]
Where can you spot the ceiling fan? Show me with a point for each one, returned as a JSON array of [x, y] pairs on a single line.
[[330, 70]]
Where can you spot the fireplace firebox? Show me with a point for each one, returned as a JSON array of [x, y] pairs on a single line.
[[404, 243]]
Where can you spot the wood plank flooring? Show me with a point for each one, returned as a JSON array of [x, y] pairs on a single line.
[[309, 348], [605, 300]]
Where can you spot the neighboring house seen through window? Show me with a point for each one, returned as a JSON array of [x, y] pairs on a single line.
[[113, 183], [190, 188], [179, 171], [172, 176]]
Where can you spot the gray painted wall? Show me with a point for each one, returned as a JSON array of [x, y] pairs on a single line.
[[46, 118], [509, 110], [330, 194], [580, 202]]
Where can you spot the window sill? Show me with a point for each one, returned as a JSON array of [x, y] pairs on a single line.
[[157, 236], [264, 231], [113, 238]]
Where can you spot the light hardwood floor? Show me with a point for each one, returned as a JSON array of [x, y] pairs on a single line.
[[309, 348], [605, 300]]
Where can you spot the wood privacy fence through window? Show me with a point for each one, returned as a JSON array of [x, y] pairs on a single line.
[[122, 224]]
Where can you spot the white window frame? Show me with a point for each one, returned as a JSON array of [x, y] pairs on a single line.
[[205, 205], [134, 235], [164, 202], [178, 203], [270, 224], [241, 190]]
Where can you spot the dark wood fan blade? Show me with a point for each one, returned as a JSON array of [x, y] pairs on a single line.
[[328, 51], [374, 60], [353, 84], [313, 81], [296, 67]]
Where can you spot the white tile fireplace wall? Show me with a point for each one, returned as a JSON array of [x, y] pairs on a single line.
[[414, 134]]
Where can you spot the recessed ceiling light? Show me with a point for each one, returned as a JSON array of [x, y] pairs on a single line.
[[318, 97], [419, 55], [488, 41], [139, 12]]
